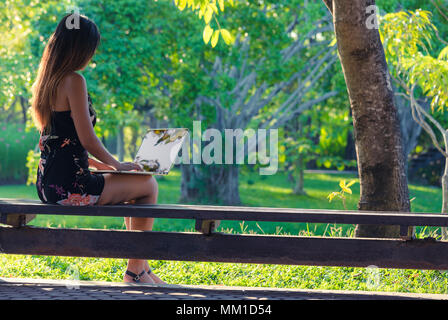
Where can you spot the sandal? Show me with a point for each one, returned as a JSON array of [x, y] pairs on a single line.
[[136, 277]]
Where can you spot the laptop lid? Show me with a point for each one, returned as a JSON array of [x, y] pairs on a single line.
[[159, 149], [157, 152]]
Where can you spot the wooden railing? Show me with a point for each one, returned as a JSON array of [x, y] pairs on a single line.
[[208, 245]]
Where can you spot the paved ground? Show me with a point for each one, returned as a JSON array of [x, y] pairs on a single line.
[[36, 289]]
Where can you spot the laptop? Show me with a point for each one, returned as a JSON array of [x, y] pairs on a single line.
[[157, 152]]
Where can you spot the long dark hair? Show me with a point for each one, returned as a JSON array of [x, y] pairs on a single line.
[[69, 49]]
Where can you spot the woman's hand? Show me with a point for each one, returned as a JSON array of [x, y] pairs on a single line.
[[129, 166], [99, 165]]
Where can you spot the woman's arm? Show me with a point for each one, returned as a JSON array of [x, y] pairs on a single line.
[[99, 165], [76, 89]]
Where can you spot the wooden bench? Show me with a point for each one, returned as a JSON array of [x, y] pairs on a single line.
[[211, 246]]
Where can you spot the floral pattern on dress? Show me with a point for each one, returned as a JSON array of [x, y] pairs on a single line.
[[42, 165], [68, 141], [42, 140], [76, 199], [43, 194], [59, 190]]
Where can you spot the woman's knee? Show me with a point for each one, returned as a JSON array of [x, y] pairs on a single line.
[[152, 187], [120, 189]]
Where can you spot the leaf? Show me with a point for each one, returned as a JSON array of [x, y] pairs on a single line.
[[332, 195], [351, 183], [202, 9], [333, 42], [228, 39], [207, 33], [344, 187], [214, 7], [443, 54], [215, 38], [190, 3], [182, 4], [221, 5], [208, 15]]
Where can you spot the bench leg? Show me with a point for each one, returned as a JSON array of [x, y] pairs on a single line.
[[406, 232], [206, 226], [16, 219]]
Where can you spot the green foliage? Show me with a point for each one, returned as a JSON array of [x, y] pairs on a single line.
[[152, 61], [32, 162], [323, 138], [208, 9], [408, 38], [15, 51], [15, 143]]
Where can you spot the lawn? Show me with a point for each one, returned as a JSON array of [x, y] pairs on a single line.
[[255, 190]]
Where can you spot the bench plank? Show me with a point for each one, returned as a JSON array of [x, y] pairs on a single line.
[[220, 247], [202, 212]]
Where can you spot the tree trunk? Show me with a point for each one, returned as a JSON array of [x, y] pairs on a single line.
[[24, 106], [210, 184], [410, 129], [132, 148], [300, 168], [445, 198], [377, 133], [445, 186], [350, 149], [120, 143], [299, 177]]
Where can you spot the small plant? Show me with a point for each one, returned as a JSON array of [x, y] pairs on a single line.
[[345, 188], [32, 161]]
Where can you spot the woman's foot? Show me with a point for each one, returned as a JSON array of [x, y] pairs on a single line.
[[152, 275], [142, 277]]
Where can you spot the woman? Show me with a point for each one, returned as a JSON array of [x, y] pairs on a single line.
[[62, 111]]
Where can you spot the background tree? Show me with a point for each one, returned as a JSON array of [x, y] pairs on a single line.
[[377, 133], [257, 84]]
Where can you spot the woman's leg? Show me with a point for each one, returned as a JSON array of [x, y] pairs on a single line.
[[144, 224], [121, 188]]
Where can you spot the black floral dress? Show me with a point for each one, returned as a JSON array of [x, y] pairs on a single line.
[[63, 176]]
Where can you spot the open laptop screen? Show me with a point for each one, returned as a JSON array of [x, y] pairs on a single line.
[[159, 149]]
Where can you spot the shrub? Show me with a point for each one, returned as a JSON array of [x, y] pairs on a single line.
[[32, 161], [14, 146]]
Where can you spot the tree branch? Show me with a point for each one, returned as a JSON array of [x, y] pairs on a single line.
[[329, 4]]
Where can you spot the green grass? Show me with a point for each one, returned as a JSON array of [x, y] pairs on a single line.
[[267, 191]]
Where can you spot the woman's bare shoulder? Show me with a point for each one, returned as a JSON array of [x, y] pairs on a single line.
[[74, 82]]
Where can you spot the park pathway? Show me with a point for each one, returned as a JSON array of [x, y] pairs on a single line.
[[39, 289]]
